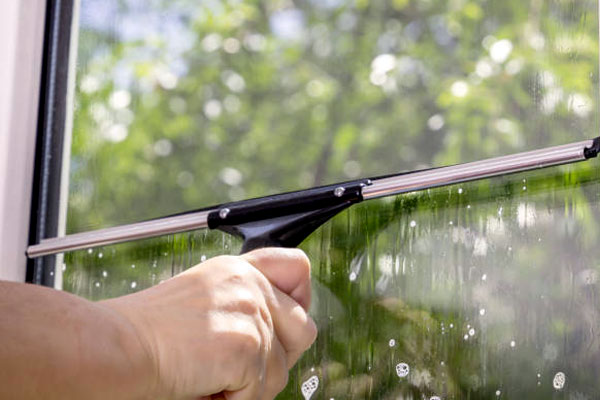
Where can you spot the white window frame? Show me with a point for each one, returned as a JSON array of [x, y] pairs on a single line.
[[22, 33]]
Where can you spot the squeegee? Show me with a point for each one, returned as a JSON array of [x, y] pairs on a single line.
[[285, 220]]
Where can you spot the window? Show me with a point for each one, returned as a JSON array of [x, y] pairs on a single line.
[[183, 104], [478, 290]]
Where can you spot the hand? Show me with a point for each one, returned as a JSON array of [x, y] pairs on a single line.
[[231, 326]]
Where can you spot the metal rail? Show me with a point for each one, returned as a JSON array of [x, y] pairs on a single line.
[[379, 188], [478, 170], [119, 234]]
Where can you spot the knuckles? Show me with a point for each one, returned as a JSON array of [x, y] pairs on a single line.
[[249, 343], [244, 356]]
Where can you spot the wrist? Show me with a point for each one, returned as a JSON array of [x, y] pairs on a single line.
[[138, 366]]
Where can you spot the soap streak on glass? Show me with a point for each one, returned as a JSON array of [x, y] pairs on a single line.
[[426, 309], [395, 268]]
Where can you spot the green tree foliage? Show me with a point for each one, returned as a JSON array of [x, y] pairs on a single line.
[[185, 104]]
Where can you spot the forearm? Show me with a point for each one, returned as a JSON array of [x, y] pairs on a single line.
[[57, 346]]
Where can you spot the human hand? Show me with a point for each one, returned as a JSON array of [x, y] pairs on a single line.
[[229, 328]]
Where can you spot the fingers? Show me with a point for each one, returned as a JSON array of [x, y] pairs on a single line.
[[294, 328], [267, 386], [277, 371], [287, 269], [269, 288]]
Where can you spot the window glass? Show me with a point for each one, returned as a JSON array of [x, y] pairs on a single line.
[[483, 290], [181, 104]]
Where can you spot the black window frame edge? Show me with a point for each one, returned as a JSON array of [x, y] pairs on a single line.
[[52, 114]]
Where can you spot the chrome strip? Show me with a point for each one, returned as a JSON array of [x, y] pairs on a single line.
[[118, 234], [477, 170], [380, 187]]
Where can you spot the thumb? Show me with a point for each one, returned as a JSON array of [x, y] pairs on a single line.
[[286, 269]]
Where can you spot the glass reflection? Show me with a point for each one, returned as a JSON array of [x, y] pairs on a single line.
[[474, 291], [116, 270], [481, 290]]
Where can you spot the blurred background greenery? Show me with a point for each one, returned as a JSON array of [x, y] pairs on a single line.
[[484, 290], [185, 104]]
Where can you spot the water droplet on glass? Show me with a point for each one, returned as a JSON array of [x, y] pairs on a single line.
[[133, 266], [392, 343], [559, 380], [90, 251], [64, 267], [100, 255], [524, 187], [203, 258], [133, 285], [309, 387], [97, 284], [466, 337], [482, 312], [513, 343], [539, 375], [435, 398], [402, 370], [442, 363], [451, 325], [413, 223], [450, 223], [468, 206], [352, 276], [471, 332], [460, 190], [104, 274], [498, 393]]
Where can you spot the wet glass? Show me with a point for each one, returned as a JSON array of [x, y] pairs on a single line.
[[185, 104], [486, 290]]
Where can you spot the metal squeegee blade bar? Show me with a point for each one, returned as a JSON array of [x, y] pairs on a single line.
[[380, 187], [477, 170], [119, 234]]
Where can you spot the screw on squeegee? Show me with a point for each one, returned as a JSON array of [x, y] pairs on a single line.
[[224, 212], [286, 219], [593, 150], [339, 191]]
